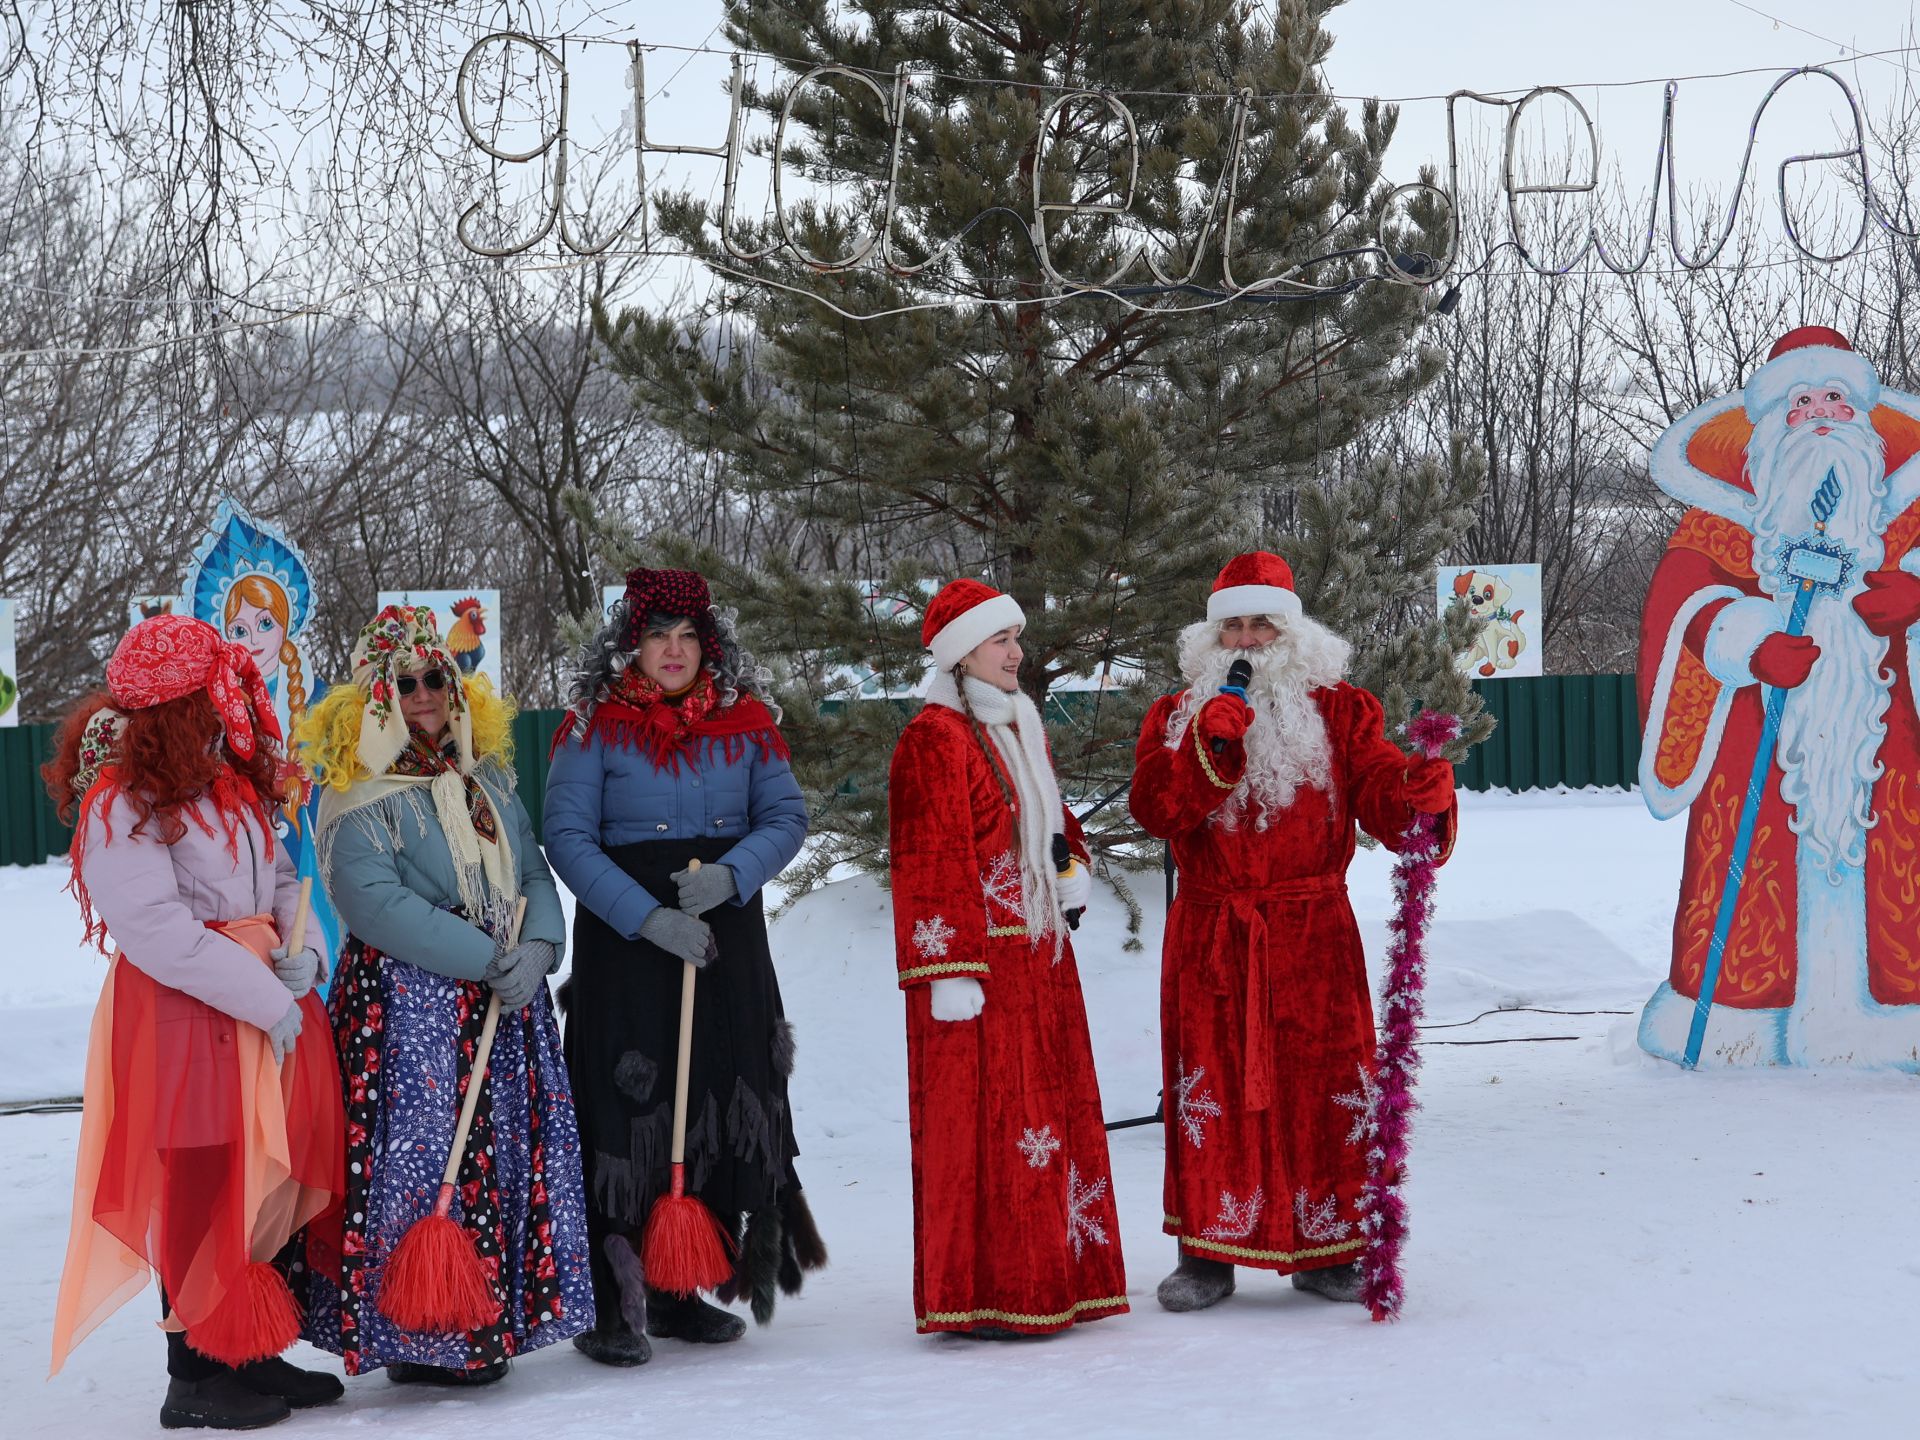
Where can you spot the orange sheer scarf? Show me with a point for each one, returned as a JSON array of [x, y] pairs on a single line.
[[199, 1154]]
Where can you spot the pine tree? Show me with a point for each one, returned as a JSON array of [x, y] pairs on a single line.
[[1097, 459]]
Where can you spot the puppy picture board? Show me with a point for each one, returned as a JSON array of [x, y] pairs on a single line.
[[1507, 598]]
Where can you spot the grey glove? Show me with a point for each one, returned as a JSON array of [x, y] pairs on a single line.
[[285, 1031], [679, 933], [299, 971], [516, 976], [702, 889]]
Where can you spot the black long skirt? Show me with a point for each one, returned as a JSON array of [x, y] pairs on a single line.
[[621, 1042]]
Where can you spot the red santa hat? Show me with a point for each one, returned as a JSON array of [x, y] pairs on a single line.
[[1805, 359], [964, 613], [1257, 583]]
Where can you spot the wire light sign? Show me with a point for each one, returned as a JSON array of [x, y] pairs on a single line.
[[878, 247]]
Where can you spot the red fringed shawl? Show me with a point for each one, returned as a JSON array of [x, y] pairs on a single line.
[[664, 733]]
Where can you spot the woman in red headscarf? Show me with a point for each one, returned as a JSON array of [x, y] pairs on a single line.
[[212, 1131]]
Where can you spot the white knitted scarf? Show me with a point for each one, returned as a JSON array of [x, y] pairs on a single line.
[[1015, 727]]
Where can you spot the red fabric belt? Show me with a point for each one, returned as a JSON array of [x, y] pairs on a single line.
[[1242, 927]]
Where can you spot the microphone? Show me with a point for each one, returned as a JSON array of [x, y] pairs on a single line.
[[1063, 864], [1238, 674]]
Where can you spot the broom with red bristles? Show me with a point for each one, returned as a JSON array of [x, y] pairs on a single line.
[[435, 1280], [259, 1318], [684, 1248]]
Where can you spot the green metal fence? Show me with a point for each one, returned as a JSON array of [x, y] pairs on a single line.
[[1574, 730], [31, 832], [29, 829]]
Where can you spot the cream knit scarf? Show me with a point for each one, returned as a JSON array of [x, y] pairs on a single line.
[[1018, 735]]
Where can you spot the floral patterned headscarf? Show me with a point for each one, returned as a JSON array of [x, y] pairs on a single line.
[[404, 638]]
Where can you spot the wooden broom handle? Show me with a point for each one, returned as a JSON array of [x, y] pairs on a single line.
[[298, 940], [683, 1068], [480, 1058]]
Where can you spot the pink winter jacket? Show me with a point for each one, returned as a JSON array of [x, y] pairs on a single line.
[[154, 896]]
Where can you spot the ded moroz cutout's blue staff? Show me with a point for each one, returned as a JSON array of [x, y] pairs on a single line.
[[1817, 565]]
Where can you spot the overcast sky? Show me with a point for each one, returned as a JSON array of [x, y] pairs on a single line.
[[1405, 48]]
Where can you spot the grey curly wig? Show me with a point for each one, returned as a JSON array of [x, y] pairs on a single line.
[[602, 661]]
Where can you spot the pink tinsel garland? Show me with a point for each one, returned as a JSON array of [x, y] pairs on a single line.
[[1383, 1208]]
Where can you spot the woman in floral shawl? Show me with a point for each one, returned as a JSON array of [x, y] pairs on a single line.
[[426, 850]]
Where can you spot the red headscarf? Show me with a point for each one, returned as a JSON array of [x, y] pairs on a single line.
[[168, 656]]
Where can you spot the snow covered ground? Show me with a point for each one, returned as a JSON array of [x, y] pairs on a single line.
[[1601, 1243]]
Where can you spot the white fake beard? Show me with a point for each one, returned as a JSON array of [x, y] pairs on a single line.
[[1829, 747], [1287, 742]]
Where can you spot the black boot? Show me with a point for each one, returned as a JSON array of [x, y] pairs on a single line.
[[1196, 1283], [615, 1345], [219, 1402], [1336, 1282], [406, 1373], [673, 1317], [302, 1389]]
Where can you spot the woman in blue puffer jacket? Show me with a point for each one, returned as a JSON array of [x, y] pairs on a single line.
[[671, 753]]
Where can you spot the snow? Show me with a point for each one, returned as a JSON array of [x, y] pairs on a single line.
[[1601, 1243]]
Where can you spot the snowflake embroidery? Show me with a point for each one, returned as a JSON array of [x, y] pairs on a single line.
[[931, 937], [1039, 1146], [1361, 1102], [1237, 1217], [1002, 886], [1320, 1223], [1194, 1106], [1082, 1225]]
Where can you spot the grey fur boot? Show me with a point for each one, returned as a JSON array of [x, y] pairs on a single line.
[[1336, 1282], [620, 1339], [1196, 1283]]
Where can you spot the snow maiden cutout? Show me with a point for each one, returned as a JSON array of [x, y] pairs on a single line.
[[252, 584], [1786, 602]]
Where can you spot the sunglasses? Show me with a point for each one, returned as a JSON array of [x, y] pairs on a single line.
[[433, 680]]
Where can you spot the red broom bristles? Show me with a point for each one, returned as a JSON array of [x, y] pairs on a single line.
[[435, 1280], [684, 1248], [257, 1320]]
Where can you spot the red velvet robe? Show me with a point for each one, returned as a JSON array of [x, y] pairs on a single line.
[[1014, 1221], [1758, 969], [1266, 1026]]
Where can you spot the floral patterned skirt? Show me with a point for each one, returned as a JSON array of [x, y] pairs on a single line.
[[407, 1039]]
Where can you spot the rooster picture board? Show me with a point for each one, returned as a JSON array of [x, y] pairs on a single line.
[[468, 620]]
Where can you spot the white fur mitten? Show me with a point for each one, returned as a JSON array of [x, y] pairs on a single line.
[[958, 997], [1075, 888]]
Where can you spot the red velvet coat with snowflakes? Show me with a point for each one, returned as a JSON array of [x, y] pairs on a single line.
[[1014, 1219], [1266, 1026]]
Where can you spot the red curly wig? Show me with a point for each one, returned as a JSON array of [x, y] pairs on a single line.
[[166, 757]]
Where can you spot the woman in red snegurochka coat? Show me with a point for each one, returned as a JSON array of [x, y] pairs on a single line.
[[1015, 1230]]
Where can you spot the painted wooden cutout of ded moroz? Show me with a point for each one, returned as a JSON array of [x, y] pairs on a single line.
[[1775, 682]]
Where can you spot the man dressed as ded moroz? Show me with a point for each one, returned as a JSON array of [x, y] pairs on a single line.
[[1256, 776]]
